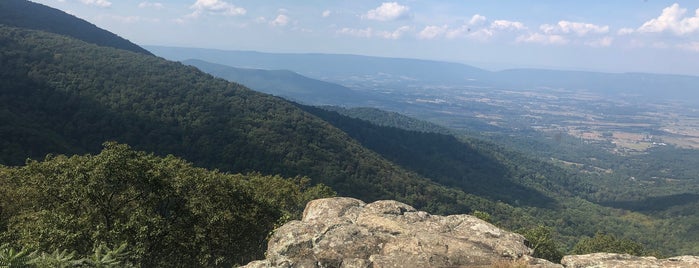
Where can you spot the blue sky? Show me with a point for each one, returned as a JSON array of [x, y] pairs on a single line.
[[615, 36]]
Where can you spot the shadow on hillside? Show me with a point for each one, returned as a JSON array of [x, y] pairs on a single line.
[[656, 203], [442, 158]]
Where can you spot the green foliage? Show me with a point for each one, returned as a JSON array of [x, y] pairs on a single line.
[[164, 209], [482, 215], [58, 259], [390, 119], [104, 257], [608, 243], [445, 160], [541, 240], [9, 257]]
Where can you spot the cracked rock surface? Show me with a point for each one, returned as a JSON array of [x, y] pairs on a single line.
[[346, 232]]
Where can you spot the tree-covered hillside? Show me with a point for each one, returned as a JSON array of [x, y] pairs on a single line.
[[61, 95]]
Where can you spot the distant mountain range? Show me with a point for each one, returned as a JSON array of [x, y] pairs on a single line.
[[287, 84], [332, 67], [376, 72]]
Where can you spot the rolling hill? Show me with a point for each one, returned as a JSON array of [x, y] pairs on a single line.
[[287, 84]]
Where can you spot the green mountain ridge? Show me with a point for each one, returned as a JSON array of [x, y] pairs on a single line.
[[286, 84]]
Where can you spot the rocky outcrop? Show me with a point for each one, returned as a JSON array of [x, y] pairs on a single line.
[[612, 260], [346, 232]]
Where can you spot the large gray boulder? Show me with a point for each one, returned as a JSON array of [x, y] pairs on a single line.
[[346, 232]]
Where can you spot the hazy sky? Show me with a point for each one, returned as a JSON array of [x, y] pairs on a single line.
[[619, 35]]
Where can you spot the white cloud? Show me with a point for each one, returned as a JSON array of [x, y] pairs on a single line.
[[542, 39], [326, 13], [369, 32], [602, 42], [476, 28], [396, 34], [431, 32], [127, 19], [477, 20], [280, 20], [457, 32], [625, 31], [215, 7], [146, 4], [99, 3], [366, 33], [388, 11], [672, 19], [568, 27], [507, 25]]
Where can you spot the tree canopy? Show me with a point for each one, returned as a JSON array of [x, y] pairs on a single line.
[[163, 208]]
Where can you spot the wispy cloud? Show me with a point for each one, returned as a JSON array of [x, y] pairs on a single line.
[[396, 34], [507, 25], [431, 32], [477, 28], [477, 19], [601, 42], [280, 20], [99, 3], [625, 31], [366, 33], [215, 7], [156, 5], [578, 28], [388, 11], [326, 13], [370, 32], [545, 39]]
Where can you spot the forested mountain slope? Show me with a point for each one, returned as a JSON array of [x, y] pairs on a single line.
[[60, 95], [30, 15]]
